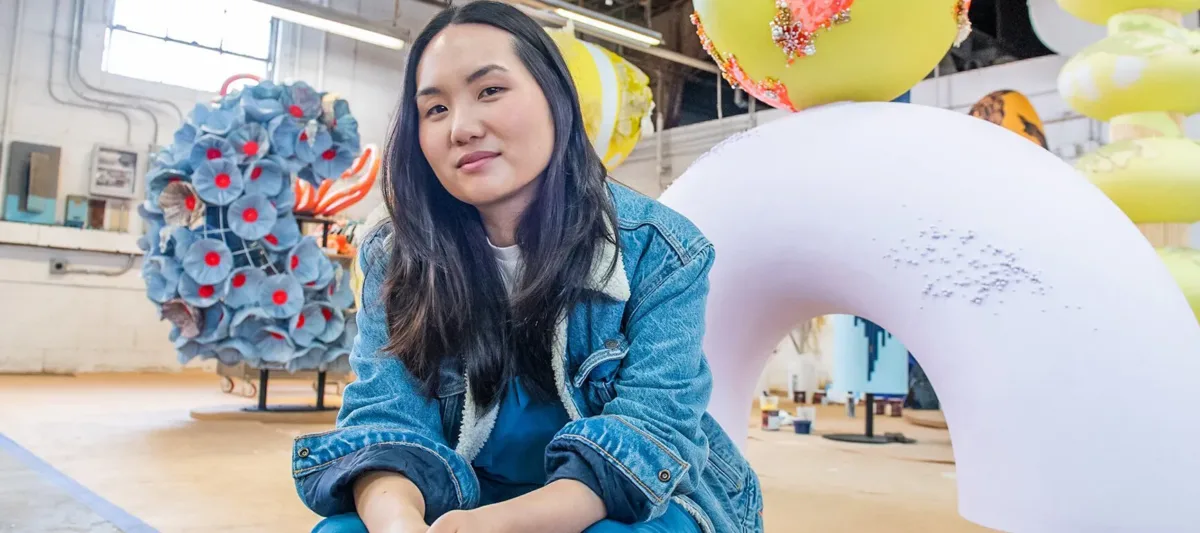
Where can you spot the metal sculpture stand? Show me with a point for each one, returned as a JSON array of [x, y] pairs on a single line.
[[869, 436]]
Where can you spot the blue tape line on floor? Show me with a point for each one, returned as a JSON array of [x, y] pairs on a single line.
[[105, 509]]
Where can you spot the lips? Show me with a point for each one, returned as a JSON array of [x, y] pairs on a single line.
[[475, 157]]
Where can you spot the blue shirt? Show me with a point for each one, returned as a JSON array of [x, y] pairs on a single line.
[[513, 462]]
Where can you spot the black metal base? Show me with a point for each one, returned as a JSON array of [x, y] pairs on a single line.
[[288, 409], [859, 438], [264, 377], [869, 436]]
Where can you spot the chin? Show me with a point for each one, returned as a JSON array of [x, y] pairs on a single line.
[[484, 189]]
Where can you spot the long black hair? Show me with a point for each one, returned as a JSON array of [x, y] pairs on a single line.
[[443, 291]]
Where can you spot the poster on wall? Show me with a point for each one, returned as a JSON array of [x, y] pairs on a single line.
[[115, 172], [867, 359]]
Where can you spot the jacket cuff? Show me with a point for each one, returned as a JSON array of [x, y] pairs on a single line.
[[325, 467], [579, 465], [635, 472]]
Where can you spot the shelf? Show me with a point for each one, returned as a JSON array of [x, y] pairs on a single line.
[[66, 238]]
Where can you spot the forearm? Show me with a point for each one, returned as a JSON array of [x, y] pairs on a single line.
[[563, 506], [385, 500]]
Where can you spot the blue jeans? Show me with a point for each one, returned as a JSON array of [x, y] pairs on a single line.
[[674, 520]]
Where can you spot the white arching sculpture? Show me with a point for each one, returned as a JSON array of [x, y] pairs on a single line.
[[1018, 285]]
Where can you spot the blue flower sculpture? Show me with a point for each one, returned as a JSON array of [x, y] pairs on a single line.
[[226, 263]]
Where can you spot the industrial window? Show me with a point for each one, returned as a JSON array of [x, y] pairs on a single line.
[[189, 43]]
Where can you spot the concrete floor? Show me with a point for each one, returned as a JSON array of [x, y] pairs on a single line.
[[129, 439]]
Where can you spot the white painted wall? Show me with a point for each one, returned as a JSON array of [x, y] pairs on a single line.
[[86, 322]]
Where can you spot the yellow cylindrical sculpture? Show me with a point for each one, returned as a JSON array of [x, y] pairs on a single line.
[[1014, 112], [796, 54], [1184, 265], [614, 95], [1153, 180], [1146, 64], [1099, 11], [1143, 78]]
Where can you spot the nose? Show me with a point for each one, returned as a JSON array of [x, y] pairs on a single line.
[[466, 127]]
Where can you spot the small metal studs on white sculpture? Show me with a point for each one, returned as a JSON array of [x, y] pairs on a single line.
[[959, 264]]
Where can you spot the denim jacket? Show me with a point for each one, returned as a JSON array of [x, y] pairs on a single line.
[[629, 369]]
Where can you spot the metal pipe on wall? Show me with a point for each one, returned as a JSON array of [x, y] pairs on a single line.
[[297, 35], [720, 100], [321, 55], [77, 15], [753, 110], [50, 81], [10, 89]]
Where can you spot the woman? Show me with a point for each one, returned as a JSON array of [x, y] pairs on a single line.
[[529, 349]]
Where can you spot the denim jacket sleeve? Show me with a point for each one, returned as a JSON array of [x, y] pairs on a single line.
[[647, 444], [385, 423]]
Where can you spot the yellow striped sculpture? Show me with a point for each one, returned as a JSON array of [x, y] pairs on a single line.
[[614, 95]]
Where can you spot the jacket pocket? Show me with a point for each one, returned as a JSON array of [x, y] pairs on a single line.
[[451, 391], [598, 371], [451, 410], [733, 483]]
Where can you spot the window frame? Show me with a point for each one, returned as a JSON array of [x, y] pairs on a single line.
[[269, 62]]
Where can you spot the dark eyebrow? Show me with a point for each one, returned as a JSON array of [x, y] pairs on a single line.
[[481, 72], [428, 91]]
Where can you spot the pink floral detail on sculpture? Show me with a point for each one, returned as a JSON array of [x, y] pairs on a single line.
[[769, 90], [797, 22]]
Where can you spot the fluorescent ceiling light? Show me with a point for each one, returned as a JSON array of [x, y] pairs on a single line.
[[554, 20], [607, 24], [328, 20]]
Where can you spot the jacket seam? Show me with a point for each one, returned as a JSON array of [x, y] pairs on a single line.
[[298, 438], [682, 464], [672, 241], [654, 497], [692, 508], [725, 469], [589, 365], [754, 508], [449, 469], [376, 427], [637, 306]]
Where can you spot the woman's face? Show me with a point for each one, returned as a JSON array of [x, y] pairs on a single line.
[[485, 125]]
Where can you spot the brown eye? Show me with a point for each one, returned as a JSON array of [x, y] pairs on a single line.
[[435, 110], [491, 91]]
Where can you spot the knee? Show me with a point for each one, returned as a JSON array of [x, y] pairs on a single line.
[[343, 523], [608, 526]]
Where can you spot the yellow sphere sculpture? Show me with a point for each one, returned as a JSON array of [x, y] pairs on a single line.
[[1014, 112], [796, 54], [614, 95]]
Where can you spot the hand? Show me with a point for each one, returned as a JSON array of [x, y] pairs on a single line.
[[483, 520]]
